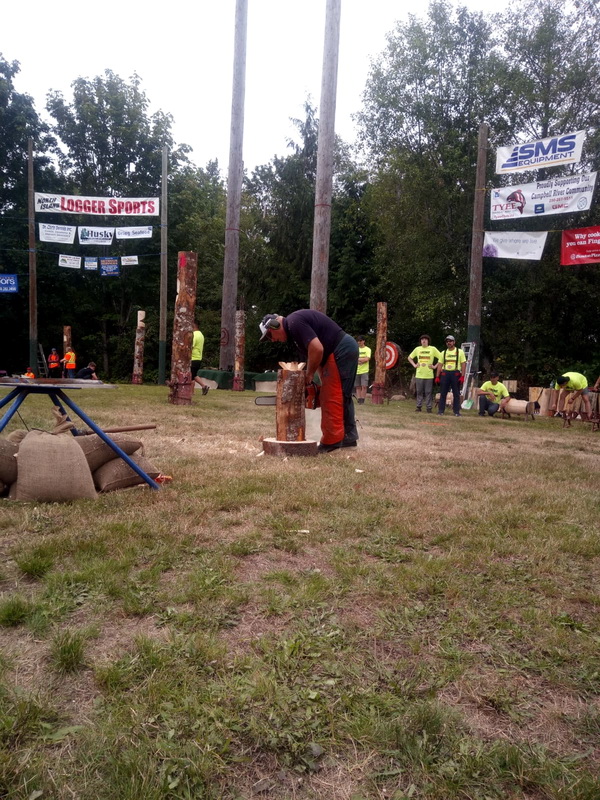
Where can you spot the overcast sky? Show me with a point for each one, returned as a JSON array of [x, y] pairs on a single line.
[[183, 52]]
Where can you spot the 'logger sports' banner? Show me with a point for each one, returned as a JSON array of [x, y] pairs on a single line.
[[556, 196], [551, 152], [104, 206], [511, 244], [580, 246], [65, 234]]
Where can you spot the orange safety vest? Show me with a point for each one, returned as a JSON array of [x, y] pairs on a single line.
[[53, 360], [70, 362]]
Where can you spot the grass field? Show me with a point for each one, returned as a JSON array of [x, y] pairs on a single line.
[[414, 619]]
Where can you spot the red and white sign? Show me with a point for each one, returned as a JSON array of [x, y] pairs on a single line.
[[562, 195], [99, 206], [392, 353], [580, 246]]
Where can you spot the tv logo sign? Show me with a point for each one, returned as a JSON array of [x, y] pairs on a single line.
[[9, 284], [551, 152]]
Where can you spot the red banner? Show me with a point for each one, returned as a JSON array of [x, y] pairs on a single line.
[[580, 246]]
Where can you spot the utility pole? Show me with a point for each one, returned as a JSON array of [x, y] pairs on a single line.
[[162, 324], [234, 191], [474, 320], [33, 326], [324, 183]]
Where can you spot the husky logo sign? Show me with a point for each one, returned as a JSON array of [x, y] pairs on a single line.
[[552, 152]]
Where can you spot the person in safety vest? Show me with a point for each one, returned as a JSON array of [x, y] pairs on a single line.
[[54, 364], [451, 375], [69, 363], [361, 383], [197, 351], [493, 396], [422, 359], [572, 386], [30, 373], [333, 354]]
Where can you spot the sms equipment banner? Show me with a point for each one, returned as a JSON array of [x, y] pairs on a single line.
[[511, 244], [103, 206], [552, 152], [580, 246], [556, 196]]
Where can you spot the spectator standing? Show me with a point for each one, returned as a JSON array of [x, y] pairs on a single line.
[[362, 371], [451, 375], [54, 364], [69, 362], [197, 352], [423, 359]]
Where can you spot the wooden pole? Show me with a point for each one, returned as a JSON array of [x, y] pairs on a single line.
[[234, 190], [181, 382], [33, 326], [289, 409], [66, 343], [162, 325], [378, 389], [475, 285], [138, 353], [324, 180], [240, 351]]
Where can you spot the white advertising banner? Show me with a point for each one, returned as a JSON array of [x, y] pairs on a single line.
[[95, 235], [552, 152], [129, 261], [145, 232], [63, 234], [564, 195], [515, 244], [103, 206], [73, 262], [90, 263]]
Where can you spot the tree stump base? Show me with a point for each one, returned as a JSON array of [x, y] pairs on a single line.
[[277, 447]]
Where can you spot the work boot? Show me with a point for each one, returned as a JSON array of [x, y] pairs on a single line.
[[418, 408], [349, 443], [328, 448], [429, 411]]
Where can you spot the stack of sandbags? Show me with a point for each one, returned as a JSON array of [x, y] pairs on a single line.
[[59, 467]]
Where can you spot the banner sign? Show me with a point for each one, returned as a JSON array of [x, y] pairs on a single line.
[[109, 267], [64, 234], [9, 284], [90, 263], [552, 152], [73, 262], [103, 206], [95, 235], [510, 244], [555, 196], [135, 233], [580, 246], [129, 261]]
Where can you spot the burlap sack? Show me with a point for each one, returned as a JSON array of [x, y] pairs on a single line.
[[52, 469], [116, 474], [97, 452], [8, 461], [17, 436]]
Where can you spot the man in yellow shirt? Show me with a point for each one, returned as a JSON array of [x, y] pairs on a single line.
[[572, 386], [493, 396], [361, 382], [197, 351], [451, 375], [422, 359]]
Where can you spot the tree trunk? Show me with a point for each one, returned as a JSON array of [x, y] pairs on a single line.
[[181, 382], [290, 404], [240, 351], [138, 354], [377, 392]]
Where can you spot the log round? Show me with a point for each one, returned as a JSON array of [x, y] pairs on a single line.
[[277, 447], [520, 407]]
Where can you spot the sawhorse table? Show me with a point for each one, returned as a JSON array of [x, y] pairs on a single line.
[[55, 389]]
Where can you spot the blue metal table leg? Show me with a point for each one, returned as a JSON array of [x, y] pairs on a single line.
[[19, 395], [107, 439]]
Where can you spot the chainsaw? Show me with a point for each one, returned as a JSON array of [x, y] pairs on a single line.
[[311, 392]]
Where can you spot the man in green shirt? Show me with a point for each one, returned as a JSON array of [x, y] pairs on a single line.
[[197, 351], [493, 396], [572, 386], [423, 359], [361, 382]]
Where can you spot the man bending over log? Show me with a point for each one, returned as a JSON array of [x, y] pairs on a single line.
[[572, 386], [331, 353]]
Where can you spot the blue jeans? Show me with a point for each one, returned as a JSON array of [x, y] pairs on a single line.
[[485, 404], [448, 381]]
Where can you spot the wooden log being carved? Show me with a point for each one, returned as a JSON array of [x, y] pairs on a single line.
[[290, 404], [181, 384], [240, 351]]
